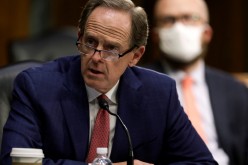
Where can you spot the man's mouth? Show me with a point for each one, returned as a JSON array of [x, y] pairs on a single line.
[[95, 71]]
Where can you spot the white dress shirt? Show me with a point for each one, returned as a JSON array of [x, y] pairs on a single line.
[[203, 104], [94, 107]]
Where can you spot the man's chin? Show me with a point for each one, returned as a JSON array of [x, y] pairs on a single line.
[[179, 64], [95, 84]]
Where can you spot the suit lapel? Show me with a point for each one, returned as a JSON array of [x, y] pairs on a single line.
[[127, 101], [218, 104], [76, 110]]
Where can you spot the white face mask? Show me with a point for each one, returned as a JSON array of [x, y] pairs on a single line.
[[180, 42]]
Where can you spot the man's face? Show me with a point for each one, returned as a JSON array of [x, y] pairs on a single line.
[[190, 12], [182, 31], [106, 29]]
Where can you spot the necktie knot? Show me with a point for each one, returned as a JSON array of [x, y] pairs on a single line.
[[187, 81], [102, 96], [102, 101]]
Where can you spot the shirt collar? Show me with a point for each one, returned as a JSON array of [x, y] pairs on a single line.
[[111, 94], [197, 74]]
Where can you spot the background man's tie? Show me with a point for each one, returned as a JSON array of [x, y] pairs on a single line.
[[100, 133], [190, 106]]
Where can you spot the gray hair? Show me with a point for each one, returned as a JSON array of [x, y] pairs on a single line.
[[140, 28]]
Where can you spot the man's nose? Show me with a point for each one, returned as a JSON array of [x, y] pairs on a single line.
[[96, 55]]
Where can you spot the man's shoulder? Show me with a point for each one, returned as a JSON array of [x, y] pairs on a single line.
[[224, 81], [59, 65], [52, 71], [149, 73], [149, 76], [218, 75]]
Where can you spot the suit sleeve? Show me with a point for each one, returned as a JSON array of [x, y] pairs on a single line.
[[23, 127]]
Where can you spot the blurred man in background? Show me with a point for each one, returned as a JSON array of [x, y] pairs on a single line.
[[220, 103]]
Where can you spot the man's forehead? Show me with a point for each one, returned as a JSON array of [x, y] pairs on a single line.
[[179, 7], [109, 16], [110, 23]]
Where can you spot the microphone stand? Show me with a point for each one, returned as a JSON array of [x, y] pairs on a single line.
[[104, 105]]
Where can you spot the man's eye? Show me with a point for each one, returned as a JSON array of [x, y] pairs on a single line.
[[90, 42], [112, 48], [168, 19]]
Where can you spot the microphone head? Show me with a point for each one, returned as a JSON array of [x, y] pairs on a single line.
[[103, 103]]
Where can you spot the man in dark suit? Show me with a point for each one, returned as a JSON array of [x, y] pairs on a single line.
[[54, 106], [182, 33]]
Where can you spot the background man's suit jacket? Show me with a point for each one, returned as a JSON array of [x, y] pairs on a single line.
[[229, 101], [50, 111]]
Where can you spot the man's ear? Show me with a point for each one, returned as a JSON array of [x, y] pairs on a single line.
[[154, 35], [79, 32], [138, 53], [207, 34]]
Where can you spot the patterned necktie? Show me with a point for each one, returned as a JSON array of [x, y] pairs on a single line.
[[190, 106], [100, 133]]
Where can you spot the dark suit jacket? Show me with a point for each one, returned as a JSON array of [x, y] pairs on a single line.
[[50, 111], [229, 101]]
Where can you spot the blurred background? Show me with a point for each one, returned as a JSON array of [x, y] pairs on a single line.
[[29, 28]]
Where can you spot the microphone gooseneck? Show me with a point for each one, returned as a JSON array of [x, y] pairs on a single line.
[[104, 105]]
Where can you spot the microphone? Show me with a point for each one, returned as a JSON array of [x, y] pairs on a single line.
[[104, 105]]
